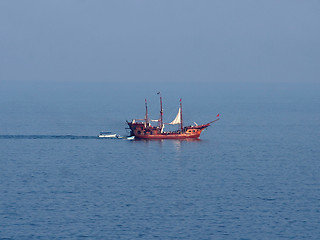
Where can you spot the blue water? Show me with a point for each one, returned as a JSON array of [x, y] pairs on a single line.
[[255, 174]]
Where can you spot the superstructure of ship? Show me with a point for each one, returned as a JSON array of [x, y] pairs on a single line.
[[143, 129]]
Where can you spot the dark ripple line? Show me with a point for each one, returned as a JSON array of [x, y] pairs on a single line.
[[46, 137]]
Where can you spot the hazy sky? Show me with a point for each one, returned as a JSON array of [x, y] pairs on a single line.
[[160, 40]]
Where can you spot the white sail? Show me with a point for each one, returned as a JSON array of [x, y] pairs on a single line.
[[177, 120]]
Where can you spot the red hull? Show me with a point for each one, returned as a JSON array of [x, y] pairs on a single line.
[[169, 136], [141, 131]]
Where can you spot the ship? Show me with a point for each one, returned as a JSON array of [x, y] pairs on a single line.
[[144, 129]]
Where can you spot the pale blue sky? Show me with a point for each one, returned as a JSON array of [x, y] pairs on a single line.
[[160, 41]]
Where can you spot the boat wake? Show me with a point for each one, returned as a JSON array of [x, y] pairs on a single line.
[[60, 137], [46, 137]]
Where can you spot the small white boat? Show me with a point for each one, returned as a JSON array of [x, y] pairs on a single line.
[[107, 135], [130, 138], [126, 137]]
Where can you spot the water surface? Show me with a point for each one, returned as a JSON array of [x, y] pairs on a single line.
[[253, 175]]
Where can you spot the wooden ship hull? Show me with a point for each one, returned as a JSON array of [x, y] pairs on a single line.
[[142, 128], [139, 130]]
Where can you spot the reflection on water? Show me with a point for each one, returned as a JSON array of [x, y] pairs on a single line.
[[177, 145]]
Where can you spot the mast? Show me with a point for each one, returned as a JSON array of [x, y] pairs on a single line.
[[147, 120], [161, 113], [181, 115]]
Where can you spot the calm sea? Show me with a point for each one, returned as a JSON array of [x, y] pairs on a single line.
[[255, 174]]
